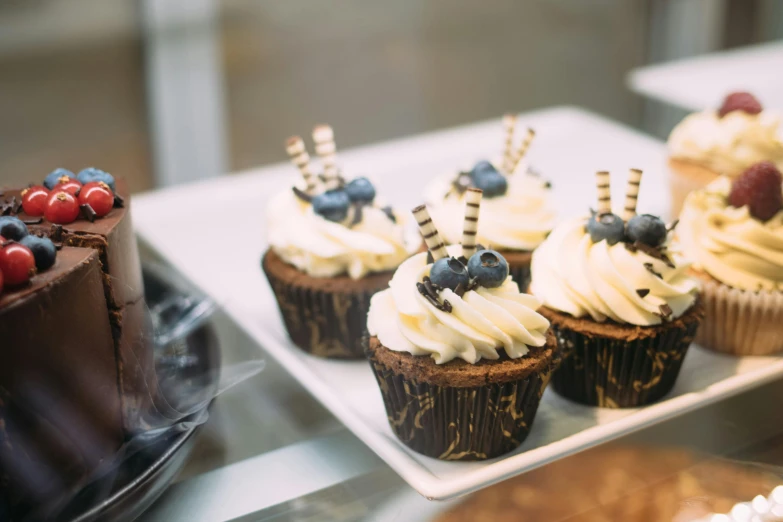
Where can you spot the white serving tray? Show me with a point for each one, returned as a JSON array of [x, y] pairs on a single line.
[[214, 232]]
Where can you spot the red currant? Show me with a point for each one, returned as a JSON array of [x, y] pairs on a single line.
[[17, 264], [66, 184], [34, 200], [99, 196], [61, 208]]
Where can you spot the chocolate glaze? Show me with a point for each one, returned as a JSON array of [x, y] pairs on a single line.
[[60, 410]]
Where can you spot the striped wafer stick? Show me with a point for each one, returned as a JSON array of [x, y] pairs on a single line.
[[604, 192], [323, 135], [430, 234], [632, 193], [509, 124], [297, 152], [470, 225], [522, 149]]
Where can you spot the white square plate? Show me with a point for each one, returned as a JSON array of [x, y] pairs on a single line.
[[214, 232]]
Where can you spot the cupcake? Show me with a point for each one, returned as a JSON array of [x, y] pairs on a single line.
[[518, 211], [621, 302], [733, 230], [332, 245], [725, 142], [460, 355]]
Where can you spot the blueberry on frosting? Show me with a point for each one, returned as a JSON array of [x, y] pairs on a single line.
[[488, 268], [647, 229], [332, 205], [360, 190], [486, 178], [449, 272], [609, 227]]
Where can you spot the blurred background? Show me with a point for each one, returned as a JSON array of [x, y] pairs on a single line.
[[168, 91]]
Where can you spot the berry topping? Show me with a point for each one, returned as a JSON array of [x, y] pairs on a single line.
[[759, 187], [53, 178], [740, 101], [12, 228], [92, 174], [449, 272], [647, 229], [488, 267], [17, 264], [606, 226], [360, 190], [34, 200], [487, 178], [43, 251], [66, 184], [99, 196], [61, 208], [332, 205]]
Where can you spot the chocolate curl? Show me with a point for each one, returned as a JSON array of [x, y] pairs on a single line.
[[522, 150], [323, 135], [632, 193], [470, 225], [297, 152], [509, 124], [430, 234], [604, 192]]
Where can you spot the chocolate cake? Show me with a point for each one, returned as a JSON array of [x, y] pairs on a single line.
[[76, 360]]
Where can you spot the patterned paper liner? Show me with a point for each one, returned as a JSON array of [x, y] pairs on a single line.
[[613, 373], [451, 423], [739, 322], [323, 322]]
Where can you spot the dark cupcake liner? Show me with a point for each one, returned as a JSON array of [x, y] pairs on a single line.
[[451, 423], [613, 373], [521, 274], [323, 323]]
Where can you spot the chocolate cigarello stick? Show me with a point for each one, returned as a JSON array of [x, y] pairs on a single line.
[[522, 150], [296, 150], [632, 193], [470, 225], [323, 135], [435, 243], [604, 192], [509, 124]]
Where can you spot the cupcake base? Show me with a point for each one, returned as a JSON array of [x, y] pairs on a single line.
[[684, 178], [518, 266], [620, 366], [324, 316], [740, 322], [457, 410]]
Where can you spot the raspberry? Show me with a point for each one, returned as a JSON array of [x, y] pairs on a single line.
[[759, 187], [740, 101]]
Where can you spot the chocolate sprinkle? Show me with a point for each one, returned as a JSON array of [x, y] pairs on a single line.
[[88, 213], [358, 213], [33, 221], [389, 213], [57, 246], [548, 184], [16, 206], [630, 247], [460, 290], [430, 292], [119, 202], [304, 196], [649, 267], [57, 233], [673, 225], [642, 292], [666, 311], [655, 253]]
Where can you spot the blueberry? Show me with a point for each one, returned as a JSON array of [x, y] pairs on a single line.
[[92, 174], [43, 251], [483, 167], [51, 180], [12, 228], [492, 184], [360, 190], [449, 272], [488, 267], [332, 205], [647, 229], [606, 226]]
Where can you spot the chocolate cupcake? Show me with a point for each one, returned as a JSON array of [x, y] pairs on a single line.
[[333, 244], [723, 142], [518, 211], [460, 355], [733, 230], [622, 305]]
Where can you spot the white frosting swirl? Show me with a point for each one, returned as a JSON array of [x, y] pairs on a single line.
[[728, 243], [572, 274], [730, 144], [323, 248], [519, 220], [481, 322]]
